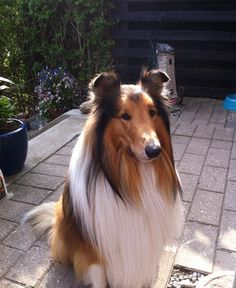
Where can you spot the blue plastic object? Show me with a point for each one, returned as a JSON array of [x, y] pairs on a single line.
[[230, 102]]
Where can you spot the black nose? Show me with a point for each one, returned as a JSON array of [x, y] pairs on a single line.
[[152, 150]]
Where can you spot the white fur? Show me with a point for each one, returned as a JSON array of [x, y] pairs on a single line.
[[41, 218], [95, 276], [131, 239]]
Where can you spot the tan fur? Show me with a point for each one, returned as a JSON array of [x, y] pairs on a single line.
[[66, 244], [120, 135]]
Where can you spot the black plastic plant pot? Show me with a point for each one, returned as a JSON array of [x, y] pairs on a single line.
[[13, 149]]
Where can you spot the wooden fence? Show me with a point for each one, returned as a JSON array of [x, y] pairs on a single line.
[[203, 33]]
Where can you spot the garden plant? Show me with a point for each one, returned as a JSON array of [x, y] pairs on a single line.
[[72, 34]]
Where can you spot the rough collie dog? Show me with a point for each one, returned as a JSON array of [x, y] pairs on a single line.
[[121, 203]]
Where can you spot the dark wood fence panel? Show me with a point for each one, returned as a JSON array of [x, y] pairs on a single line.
[[203, 33]]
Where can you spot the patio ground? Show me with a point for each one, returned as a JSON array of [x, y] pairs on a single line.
[[205, 155]]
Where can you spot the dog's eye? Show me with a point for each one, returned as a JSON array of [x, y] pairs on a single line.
[[152, 112], [126, 116]]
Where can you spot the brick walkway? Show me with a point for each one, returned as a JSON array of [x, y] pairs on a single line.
[[205, 155]]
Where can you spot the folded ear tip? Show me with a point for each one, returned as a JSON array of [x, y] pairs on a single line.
[[154, 76], [105, 77], [164, 76], [160, 74]]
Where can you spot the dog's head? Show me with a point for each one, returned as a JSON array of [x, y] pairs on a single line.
[[130, 124], [134, 117]]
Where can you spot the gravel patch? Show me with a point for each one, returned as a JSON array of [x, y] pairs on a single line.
[[182, 278]]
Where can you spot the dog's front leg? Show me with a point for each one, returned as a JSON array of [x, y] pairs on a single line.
[[95, 276]]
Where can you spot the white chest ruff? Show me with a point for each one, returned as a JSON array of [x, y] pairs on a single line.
[[130, 239]]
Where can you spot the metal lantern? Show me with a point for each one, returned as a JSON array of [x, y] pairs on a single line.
[[166, 63]]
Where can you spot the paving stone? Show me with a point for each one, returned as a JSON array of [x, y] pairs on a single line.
[[217, 126], [43, 242], [41, 181], [213, 178], [6, 227], [30, 267], [219, 104], [234, 134], [72, 143], [225, 134], [178, 150], [220, 144], [233, 152], [204, 132], [66, 150], [55, 196], [13, 210], [180, 139], [198, 146], [224, 261], [28, 194], [8, 256], [232, 170], [205, 110], [230, 196], [204, 114], [59, 159], [205, 102], [21, 238], [206, 207], [227, 238], [191, 106], [173, 128], [200, 122], [219, 116], [218, 157], [189, 184], [50, 169], [60, 277], [185, 129], [172, 119], [186, 116], [197, 247], [191, 163], [8, 284], [186, 206]]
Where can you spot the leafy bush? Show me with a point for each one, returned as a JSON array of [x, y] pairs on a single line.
[[58, 91], [74, 34]]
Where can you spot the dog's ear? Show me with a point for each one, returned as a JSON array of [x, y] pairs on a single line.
[[105, 88], [152, 81]]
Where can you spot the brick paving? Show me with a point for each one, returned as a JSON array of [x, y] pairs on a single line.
[[205, 156]]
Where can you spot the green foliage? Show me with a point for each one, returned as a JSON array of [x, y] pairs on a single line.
[[7, 109], [74, 34]]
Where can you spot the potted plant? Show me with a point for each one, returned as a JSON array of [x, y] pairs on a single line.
[[13, 134]]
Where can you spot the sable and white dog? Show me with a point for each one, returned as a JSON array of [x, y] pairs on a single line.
[[121, 204]]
